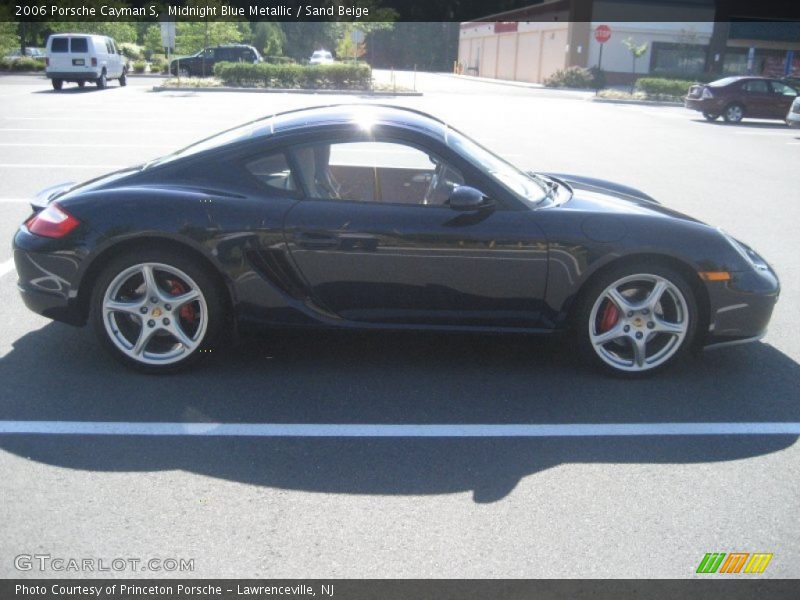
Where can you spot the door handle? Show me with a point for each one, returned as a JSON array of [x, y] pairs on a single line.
[[317, 241]]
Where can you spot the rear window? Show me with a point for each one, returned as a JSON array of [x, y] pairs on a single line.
[[80, 44], [723, 82], [59, 45]]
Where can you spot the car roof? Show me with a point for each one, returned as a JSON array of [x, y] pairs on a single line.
[[333, 115]]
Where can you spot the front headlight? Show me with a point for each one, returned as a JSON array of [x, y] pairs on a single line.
[[750, 256]]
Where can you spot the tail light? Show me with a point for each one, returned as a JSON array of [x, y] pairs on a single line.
[[94, 61], [52, 222], [707, 95]]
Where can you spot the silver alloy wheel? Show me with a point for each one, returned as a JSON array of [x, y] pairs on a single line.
[[151, 324], [639, 322], [734, 113]]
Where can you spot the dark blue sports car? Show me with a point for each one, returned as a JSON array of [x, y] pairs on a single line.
[[365, 216]]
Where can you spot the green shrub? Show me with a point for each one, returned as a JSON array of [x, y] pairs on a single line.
[[694, 77], [571, 77], [157, 62], [280, 60], [657, 87], [5, 64], [139, 66], [132, 51], [293, 76], [27, 64]]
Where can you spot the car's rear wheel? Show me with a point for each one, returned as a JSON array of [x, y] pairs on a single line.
[[710, 116], [57, 84], [734, 113], [102, 81], [637, 320], [156, 311]]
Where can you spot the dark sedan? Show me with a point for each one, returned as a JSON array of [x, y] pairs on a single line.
[[374, 217], [202, 63], [736, 98]]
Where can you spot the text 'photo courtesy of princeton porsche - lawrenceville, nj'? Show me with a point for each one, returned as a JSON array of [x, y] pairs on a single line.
[[393, 299]]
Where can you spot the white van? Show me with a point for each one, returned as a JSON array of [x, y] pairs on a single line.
[[81, 57]]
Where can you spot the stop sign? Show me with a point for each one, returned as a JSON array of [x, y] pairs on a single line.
[[602, 33]]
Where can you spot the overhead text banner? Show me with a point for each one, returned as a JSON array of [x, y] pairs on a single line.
[[400, 10]]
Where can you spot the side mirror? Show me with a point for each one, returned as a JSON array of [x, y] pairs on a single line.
[[468, 198]]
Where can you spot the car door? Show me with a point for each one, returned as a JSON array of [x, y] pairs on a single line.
[[376, 242], [782, 98], [757, 97]]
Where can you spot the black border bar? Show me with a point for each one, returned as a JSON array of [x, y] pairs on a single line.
[[742, 587]]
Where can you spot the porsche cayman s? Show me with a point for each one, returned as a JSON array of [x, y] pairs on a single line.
[[368, 216]]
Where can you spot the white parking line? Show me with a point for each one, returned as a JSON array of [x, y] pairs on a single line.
[[393, 430], [6, 266], [43, 166], [84, 130], [35, 145]]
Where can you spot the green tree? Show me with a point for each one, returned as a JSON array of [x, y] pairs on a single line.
[[637, 51], [345, 48], [152, 40], [303, 38], [121, 31], [268, 38]]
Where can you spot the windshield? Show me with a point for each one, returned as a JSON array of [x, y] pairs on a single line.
[[517, 181]]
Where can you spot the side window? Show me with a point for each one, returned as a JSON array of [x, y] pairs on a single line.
[[109, 47], [783, 90], [225, 54], [386, 172], [758, 86], [274, 173]]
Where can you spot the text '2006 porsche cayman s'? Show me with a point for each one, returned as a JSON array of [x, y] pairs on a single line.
[[367, 216]]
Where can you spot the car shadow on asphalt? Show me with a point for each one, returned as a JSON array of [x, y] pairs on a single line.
[[59, 373], [750, 124], [74, 89]]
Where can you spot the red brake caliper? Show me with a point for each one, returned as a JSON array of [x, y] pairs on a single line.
[[609, 316], [186, 312]]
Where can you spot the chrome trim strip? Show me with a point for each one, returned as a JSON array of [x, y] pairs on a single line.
[[735, 342]]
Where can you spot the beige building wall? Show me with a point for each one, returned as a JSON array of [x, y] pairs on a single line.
[[506, 56], [554, 53], [532, 53], [528, 52]]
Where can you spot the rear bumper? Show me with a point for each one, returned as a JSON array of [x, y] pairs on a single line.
[[793, 119], [73, 75], [45, 278], [706, 105]]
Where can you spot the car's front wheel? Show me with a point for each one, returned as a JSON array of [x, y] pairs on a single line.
[[156, 311], [637, 320], [123, 79], [734, 113]]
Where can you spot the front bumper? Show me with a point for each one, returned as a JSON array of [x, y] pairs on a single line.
[[740, 309], [793, 119]]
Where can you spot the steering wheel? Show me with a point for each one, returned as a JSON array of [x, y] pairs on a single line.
[[434, 183]]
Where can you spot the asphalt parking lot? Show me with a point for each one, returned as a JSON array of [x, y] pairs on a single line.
[[592, 505]]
